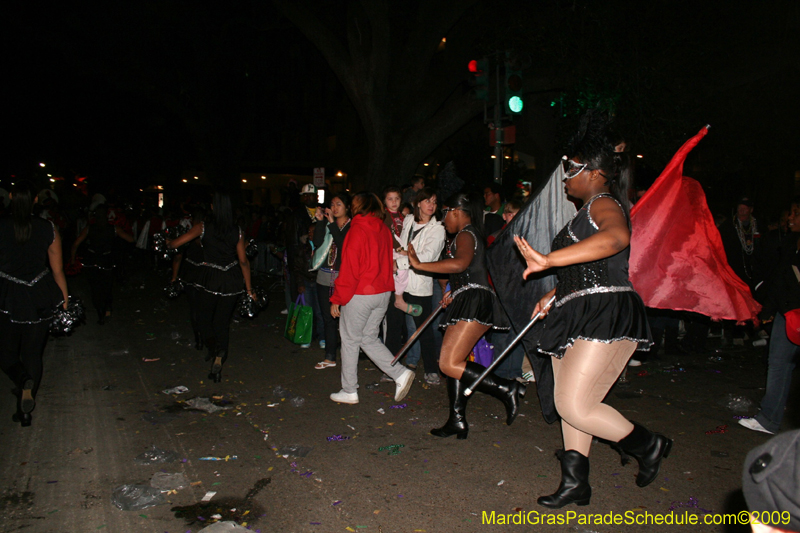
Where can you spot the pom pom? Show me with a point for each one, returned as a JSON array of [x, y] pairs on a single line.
[[65, 320], [174, 289], [160, 241], [251, 251], [249, 308]]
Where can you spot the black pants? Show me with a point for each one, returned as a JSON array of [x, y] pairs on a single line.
[[191, 295], [331, 324], [214, 317], [21, 349], [101, 283]]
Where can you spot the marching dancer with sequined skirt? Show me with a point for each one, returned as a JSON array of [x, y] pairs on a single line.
[[220, 279], [30, 292], [472, 309], [598, 320]]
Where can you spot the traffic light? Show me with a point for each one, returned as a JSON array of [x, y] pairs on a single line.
[[480, 74], [512, 95]]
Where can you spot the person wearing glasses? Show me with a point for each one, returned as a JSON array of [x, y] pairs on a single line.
[[472, 309], [598, 320]]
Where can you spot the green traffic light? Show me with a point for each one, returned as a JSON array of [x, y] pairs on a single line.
[[515, 104]]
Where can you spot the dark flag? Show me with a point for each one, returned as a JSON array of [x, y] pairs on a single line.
[[546, 212], [677, 259]]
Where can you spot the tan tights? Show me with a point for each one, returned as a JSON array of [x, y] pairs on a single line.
[[583, 377], [457, 343]]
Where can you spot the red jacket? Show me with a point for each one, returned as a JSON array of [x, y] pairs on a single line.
[[366, 260]]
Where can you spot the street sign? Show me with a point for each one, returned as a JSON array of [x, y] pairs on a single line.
[[503, 136], [319, 177]]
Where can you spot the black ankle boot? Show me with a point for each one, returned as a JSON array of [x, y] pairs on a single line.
[[574, 487], [649, 449], [198, 341], [216, 367], [26, 400], [457, 421], [507, 391]]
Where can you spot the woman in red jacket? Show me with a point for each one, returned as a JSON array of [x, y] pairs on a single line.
[[361, 297]]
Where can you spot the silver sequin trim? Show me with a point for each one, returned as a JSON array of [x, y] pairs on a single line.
[[203, 231], [30, 321], [99, 267], [469, 286], [592, 290], [648, 343], [455, 321], [198, 286], [212, 265], [589, 207], [31, 283]]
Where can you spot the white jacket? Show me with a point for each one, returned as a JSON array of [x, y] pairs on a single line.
[[428, 244]]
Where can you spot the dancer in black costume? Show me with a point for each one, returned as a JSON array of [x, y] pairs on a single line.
[[29, 295], [187, 271], [472, 308], [99, 260], [598, 320], [219, 278]]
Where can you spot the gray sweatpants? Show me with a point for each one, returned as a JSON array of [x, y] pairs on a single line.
[[359, 324]]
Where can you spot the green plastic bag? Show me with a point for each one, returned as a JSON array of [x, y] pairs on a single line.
[[299, 322]]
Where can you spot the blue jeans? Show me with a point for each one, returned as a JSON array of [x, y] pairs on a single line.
[[782, 360], [414, 352], [511, 367], [312, 300]]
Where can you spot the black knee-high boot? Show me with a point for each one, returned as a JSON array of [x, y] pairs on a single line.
[[649, 449], [574, 487], [507, 391], [457, 421]]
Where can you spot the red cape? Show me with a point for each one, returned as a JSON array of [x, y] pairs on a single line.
[[677, 259]]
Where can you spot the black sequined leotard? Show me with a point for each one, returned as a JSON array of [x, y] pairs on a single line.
[[474, 299], [595, 301]]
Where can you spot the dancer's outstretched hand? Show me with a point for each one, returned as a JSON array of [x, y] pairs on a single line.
[[536, 262]]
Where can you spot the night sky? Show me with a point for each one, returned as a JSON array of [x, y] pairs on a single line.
[[134, 94]]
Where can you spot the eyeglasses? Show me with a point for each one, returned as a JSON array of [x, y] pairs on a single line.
[[571, 168]]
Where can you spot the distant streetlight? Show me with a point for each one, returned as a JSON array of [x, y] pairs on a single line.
[[185, 181], [493, 156], [263, 177], [339, 174], [244, 181], [195, 177], [640, 156], [52, 180], [424, 164], [41, 165]]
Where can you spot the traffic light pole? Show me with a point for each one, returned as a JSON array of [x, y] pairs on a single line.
[[498, 146]]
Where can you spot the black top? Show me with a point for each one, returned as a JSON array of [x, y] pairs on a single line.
[[476, 274], [28, 291], [28, 260], [605, 275], [219, 248], [780, 291], [334, 261]]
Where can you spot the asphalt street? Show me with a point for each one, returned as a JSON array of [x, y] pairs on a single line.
[[326, 467]]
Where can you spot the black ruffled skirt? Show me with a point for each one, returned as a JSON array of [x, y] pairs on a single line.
[[30, 305], [475, 305], [219, 282], [604, 317]]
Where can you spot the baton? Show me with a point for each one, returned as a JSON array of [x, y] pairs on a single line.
[[416, 334], [468, 391]]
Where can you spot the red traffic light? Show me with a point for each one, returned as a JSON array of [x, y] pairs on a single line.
[[473, 66]]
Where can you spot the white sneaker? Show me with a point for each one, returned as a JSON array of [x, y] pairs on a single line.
[[404, 383], [305, 345], [345, 397], [634, 362], [285, 312], [752, 423]]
